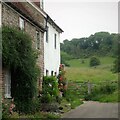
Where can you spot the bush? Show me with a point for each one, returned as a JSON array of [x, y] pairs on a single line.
[[101, 90], [94, 61], [5, 108], [64, 58], [50, 89], [116, 67], [19, 56]]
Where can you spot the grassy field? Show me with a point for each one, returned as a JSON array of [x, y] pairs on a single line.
[[80, 72], [105, 61]]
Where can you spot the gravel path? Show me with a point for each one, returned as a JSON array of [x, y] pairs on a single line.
[[92, 109]]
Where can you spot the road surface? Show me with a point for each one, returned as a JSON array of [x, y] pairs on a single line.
[[92, 109]]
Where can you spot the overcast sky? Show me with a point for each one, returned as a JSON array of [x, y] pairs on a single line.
[[81, 19]]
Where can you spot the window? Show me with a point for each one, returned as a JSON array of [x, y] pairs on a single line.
[[7, 84], [37, 40], [55, 73], [21, 23], [47, 72], [47, 32], [55, 40], [52, 73]]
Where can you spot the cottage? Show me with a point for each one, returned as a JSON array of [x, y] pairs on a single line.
[[28, 17], [52, 48]]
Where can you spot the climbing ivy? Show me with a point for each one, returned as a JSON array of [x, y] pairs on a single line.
[[19, 56]]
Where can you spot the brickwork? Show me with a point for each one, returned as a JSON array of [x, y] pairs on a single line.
[[3, 79], [1, 83], [10, 17]]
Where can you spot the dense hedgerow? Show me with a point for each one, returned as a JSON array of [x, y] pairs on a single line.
[[19, 56]]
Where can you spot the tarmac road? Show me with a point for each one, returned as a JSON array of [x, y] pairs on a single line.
[[92, 109]]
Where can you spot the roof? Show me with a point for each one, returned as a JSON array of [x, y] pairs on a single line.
[[54, 24], [29, 12], [33, 13]]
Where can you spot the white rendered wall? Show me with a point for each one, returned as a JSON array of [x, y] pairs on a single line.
[[51, 55]]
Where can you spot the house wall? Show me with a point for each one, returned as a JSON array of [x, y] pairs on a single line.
[[10, 17], [51, 55], [1, 82]]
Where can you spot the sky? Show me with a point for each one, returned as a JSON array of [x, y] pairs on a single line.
[[81, 19]]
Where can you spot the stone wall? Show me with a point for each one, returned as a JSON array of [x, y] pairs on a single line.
[[10, 17]]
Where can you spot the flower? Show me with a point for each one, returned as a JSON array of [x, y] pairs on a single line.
[[61, 78]]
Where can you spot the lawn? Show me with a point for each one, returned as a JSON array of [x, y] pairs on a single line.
[[79, 62], [94, 75], [80, 72]]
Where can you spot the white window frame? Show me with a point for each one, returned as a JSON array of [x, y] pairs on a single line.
[[55, 40], [21, 23], [38, 39], [7, 84]]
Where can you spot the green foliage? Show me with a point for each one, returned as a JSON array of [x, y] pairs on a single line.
[[99, 44], [62, 80], [64, 58], [116, 67], [82, 72], [19, 56], [94, 61], [5, 108], [79, 73], [101, 90], [50, 89], [35, 116], [73, 95]]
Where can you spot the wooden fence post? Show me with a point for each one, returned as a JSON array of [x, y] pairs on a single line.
[[89, 87]]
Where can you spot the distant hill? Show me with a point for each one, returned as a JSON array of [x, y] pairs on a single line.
[[99, 44]]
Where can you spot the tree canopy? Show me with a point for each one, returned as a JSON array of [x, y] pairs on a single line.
[[100, 44]]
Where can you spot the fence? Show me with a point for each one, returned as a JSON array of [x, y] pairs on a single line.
[[89, 86]]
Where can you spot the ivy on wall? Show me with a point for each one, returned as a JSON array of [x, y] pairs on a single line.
[[19, 56]]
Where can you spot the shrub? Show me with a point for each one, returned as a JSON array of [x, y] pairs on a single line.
[[62, 80], [99, 91], [94, 61], [116, 67], [50, 89], [19, 56], [5, 108]]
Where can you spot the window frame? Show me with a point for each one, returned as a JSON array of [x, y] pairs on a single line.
[[55, 40], [21, 23], [38, 39], [7, 84]]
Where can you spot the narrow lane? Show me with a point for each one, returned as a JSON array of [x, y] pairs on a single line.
[[92, 109]]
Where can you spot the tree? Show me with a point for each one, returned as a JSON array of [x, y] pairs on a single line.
[[101, 43], [94, 61]]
